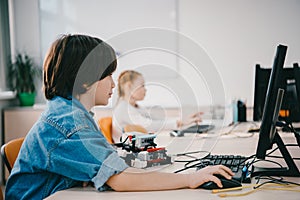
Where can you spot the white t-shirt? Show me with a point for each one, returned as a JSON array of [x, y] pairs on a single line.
[[124, 114]]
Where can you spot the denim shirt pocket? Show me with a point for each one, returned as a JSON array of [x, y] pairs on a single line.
[[81, 121], [71, 124]]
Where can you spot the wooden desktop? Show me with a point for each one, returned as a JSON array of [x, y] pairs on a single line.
[[221, 141]]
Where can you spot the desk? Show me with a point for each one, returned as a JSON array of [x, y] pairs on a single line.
[[234, 143]]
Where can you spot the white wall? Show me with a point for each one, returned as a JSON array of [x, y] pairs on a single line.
[[25, 33], [235, 34], [26, 27]]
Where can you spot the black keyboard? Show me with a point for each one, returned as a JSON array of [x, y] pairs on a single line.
[[235, 162], [198, 128]]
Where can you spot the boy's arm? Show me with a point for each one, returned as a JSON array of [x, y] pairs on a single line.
[[139, 180]]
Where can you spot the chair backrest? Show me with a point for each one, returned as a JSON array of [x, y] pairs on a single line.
[[10, 151], [1, 194], [134, 127], [105, 124]]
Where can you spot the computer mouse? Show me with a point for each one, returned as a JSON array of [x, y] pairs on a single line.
[[176, 133], [227, 183]]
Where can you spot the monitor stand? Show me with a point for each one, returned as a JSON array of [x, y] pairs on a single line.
[[291, 169]]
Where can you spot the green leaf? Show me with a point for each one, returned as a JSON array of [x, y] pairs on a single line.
[[22, 74]]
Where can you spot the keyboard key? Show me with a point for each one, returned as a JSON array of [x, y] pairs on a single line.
[[235, 162]]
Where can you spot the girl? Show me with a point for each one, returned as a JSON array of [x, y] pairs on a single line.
[[131, 89], [65, 148]]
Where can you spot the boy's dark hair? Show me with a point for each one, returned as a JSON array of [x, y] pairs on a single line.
[[75, 62]]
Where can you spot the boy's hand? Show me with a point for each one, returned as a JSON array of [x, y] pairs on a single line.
[[207, 174]]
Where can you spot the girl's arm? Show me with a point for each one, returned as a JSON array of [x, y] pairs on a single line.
[[139, 180]]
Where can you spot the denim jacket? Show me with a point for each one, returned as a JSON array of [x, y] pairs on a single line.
[[62, 150]]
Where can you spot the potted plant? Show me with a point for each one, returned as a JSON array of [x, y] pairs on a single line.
[[22, 74]]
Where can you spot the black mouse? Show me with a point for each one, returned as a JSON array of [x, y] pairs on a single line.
[[227, 183]]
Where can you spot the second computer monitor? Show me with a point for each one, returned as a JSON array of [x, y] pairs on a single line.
[[290, 109]]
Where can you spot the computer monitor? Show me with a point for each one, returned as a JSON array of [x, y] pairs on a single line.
[[295, 88], [267, 128], [268, 134], [290, 109], [262, 76]]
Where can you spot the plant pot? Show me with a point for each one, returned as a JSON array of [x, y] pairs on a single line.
[[27, 99]]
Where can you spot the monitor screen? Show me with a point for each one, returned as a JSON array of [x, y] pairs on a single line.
[[268, 125], [290, 109]]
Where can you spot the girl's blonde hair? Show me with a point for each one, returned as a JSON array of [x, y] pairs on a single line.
[[125, 77]]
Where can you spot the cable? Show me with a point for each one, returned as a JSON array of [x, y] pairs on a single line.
[[297, 134], [287, 145], [253, 122], [232, 131], [282, 157], [289, 126], [199, 164], [191, 152], [233, 127], [205, 161], [256, 187], [187, 154], [270, 180], [271, 161], [279, 180], [248, 135]]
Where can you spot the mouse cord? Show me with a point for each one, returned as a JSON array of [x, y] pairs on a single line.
[[255, 187], [188, 154], [272, 184], [271, 179], [232, 129]]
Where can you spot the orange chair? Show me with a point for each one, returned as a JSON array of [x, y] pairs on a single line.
[[134, 127], [105, 124], [1, 194], [10, 151]]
